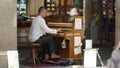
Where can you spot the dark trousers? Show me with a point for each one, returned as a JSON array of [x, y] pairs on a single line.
[[48, 44]]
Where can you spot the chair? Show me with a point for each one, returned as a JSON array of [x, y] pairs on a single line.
[[34, 54]]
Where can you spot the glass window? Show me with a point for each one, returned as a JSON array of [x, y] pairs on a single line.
[[21, 7]]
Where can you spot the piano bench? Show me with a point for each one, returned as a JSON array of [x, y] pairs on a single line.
[[34, 53]]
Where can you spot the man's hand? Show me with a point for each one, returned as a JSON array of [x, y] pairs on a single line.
[[59, 29]]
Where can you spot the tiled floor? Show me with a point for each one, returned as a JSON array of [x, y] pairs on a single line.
[[72, 66], [104, 51]]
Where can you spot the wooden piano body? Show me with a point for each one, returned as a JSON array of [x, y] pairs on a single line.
[[70, 32]]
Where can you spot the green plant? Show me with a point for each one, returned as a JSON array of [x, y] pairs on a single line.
[[23, 14], [23, 9]]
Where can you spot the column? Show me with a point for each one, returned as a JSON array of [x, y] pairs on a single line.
[[117, 24], [8, 29]]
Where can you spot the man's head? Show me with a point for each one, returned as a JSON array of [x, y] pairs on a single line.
[[42, 11]]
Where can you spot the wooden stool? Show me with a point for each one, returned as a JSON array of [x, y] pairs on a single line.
[[34, 54]]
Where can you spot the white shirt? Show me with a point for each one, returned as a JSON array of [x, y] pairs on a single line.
[[39, 28]]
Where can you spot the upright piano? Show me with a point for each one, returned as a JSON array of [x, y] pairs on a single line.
[[71, 31]]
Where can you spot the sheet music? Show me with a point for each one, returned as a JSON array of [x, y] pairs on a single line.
[[77, 41], [77, 50], [78, 23], [88, 44]]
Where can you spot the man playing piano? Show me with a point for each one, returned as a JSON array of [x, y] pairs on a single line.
[[38, 32]]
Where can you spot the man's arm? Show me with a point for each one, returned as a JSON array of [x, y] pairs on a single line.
[[49, 30]]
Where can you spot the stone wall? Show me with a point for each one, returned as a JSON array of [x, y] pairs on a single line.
[[8, 34], [117, 25], [8, 29]]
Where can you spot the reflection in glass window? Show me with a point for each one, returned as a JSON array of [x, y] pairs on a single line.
[[21, 7]]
